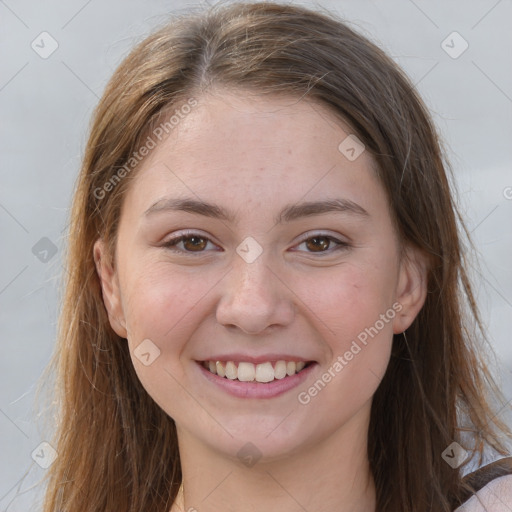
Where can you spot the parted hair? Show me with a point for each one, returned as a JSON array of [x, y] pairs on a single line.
[[117, 449]]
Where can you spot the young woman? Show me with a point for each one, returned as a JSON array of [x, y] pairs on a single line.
[[266, 303]]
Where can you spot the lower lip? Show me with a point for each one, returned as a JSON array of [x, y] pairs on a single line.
[[258, 389]]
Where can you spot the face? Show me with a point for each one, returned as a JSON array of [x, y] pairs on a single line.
[[250, 238]]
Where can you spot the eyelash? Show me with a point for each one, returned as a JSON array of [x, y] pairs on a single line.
[[173, 242]]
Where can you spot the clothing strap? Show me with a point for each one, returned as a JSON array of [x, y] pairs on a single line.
[[482, 476]]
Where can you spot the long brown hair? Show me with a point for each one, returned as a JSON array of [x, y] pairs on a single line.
[[117, 449]]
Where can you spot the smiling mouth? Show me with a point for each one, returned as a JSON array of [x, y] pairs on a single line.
[[250, 372]]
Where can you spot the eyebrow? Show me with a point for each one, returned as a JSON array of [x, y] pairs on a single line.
[[288, 214]]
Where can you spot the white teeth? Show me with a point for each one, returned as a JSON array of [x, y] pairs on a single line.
[[249, 372], [280, 370], [264, 372], [246, 372], [221, 372], [231, 371]]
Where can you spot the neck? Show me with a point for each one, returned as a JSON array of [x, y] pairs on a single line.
[[333, 474]]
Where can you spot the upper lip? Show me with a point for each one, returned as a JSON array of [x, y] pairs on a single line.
[[237, 358]]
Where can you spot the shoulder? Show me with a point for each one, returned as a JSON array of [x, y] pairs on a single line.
[[496, 496]]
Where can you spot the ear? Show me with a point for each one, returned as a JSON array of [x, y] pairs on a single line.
[[110, 288], [411, 291]]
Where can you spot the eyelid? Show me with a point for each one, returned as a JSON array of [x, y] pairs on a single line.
[[313, 233], [189, 232]]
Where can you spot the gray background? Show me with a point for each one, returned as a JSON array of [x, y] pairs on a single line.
[[46, 105]]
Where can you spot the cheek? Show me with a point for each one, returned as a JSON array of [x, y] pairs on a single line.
[[354, 311], [353, 307], [349, 298], [163, 306]]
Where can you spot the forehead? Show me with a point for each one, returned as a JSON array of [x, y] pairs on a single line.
[[248, 151]]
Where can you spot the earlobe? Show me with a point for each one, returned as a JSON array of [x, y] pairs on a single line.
[[109, 288], [411, 290]]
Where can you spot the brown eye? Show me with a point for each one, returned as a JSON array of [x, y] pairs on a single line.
[[318, 243], [323, 244], [194, 243], [188, 244]]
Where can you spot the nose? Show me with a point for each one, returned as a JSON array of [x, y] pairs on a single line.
[[255, 298]]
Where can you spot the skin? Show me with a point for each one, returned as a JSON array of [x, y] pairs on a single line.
[[253, 156]]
